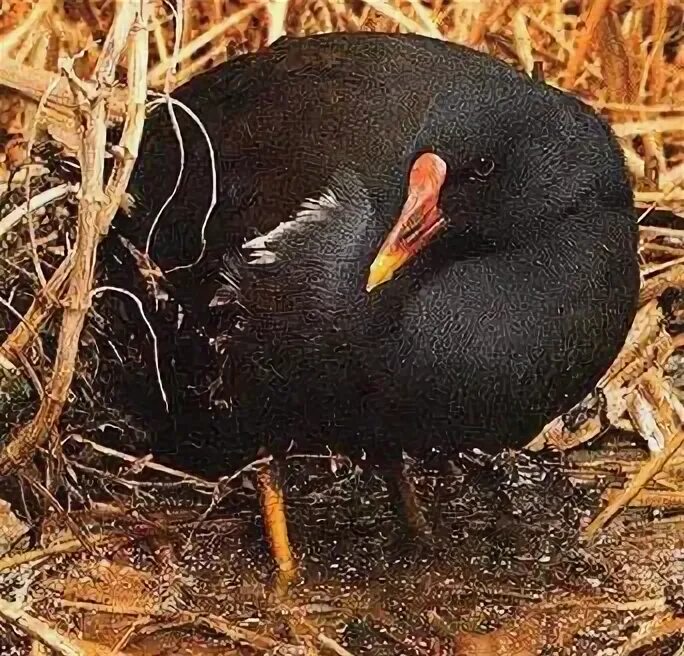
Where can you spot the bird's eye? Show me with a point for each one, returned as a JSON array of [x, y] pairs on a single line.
[[482, 169]]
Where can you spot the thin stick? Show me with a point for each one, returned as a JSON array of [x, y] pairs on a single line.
[[218, 624], [649, 633], [18, 35], [36, 202], [63, 547], [15, 615], [661, 124], [487, 17], [426, 19], [661, 266], [277, 17], [332, 645], [130, 632], [27, 185], [633, 108], [170, 73], [662, 232], [216, 54], [523, 41], [146, 464], [214, 186], [62, 514], [33, 83]]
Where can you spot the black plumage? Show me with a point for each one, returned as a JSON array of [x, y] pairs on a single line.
[[504, 320]]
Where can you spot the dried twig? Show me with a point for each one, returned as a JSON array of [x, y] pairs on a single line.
[[673, 437], [172, 102], [523, 41], [17, 616], [387, 9], [277, 18], [332, 645], [62, 547], [660, 124], [40, 310], [426, 20], [662, 625], [209, 620], [649, 498], [145, 463], [96, 210], [40, 200], [153, 335], [528, 634], [60, 104], [646, 345], [19, 33]]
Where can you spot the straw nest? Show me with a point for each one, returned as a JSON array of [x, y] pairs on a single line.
[[572, 547]]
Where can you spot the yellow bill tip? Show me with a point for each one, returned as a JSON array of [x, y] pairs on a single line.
[[382, 270]]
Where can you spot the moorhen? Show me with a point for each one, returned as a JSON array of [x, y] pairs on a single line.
[[412, 244]]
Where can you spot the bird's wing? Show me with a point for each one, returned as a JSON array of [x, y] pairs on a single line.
[[314, 232]]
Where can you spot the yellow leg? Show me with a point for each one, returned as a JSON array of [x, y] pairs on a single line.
[[275, 526], [413, 513]]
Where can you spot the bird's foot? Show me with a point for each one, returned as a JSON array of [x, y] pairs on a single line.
[[418, 525], [415, 517]]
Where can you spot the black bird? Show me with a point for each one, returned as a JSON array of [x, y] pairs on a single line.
[[412, 245]]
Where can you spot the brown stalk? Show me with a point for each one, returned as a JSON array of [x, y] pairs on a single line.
[[156, 76], [651, 498], [662, 625], [654, 70], [60, 107], [211, 621], [40, 311], [654, 287], [592, 20], [96, 209], [58, 548], [615, 60]]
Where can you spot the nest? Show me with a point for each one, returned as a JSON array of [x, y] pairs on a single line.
[[574, 546]]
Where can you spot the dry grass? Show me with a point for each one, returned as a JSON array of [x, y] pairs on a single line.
[[69, 64]]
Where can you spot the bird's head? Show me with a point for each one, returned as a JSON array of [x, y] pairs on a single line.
[[510, 187]]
